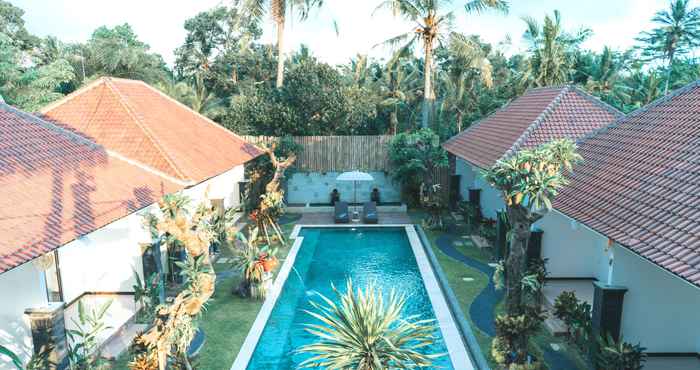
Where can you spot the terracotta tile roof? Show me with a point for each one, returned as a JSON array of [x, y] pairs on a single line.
[[56, 186], [540, 115], [141, 123], [639, 183]]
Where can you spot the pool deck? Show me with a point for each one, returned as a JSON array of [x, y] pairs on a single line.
[[326, 218]]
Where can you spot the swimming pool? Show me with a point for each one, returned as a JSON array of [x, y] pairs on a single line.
[[391, 257]]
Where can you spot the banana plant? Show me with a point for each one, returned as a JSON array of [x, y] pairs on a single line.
[[83, 341]]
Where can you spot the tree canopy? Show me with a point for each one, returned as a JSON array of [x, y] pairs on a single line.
[[224, 70]]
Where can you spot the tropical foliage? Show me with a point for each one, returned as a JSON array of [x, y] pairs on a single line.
[[414, 156], [434, 24], [83, 340], [678, 32], [435, 75], [619, 355], [256, 261], [363, 329], [174, 325]]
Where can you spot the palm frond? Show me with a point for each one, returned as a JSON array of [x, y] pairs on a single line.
[[408, 9], [479, 6]]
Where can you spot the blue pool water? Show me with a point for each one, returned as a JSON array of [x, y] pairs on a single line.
[[331, 255]]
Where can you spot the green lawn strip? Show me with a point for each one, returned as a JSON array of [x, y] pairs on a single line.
[[226, 323]]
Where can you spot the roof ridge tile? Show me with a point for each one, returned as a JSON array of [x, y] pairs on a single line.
[[144, 127], [537, 122]]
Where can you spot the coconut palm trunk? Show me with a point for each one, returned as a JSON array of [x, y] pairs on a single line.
[[428, 93], [668, 73], [278, 10]]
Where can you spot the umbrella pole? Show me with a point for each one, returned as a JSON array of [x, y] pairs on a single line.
[[355, 195]]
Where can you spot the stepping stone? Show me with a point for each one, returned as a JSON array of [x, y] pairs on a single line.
[[466, 236], [222, 260], [467, 279], [493, 264], [555, 346], [459, 244]]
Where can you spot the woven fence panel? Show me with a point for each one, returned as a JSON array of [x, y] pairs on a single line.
[[337, 153]]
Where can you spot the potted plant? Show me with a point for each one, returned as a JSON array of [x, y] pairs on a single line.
[[256, 262]]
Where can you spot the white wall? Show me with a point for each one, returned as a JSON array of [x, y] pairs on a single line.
[[660, 310], [573, 250], [104, 260], [223, 186], [491, 200], [21, 288]]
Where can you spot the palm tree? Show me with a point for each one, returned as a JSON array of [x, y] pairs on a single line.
[[644, 88], [551, 50], [195, 95], [467, 62], [677, 34], [365, 331], [433, 26], [398, 86], [256, 9], [605, 77]]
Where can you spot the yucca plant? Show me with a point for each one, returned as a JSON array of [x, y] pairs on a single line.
[[365, 331]]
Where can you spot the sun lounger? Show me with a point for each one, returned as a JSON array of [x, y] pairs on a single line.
[[369, 213], [341, 214]]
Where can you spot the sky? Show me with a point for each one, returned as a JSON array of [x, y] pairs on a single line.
[[159, 23]]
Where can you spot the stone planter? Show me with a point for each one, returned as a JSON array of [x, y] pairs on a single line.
[[260, 290]]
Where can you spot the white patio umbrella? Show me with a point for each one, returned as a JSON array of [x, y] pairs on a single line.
[[354, 176]]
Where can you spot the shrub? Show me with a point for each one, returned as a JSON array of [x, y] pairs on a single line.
[[619, 355], [413, 156], [487, 230], [470, 213], [510, 330], [576, 315]]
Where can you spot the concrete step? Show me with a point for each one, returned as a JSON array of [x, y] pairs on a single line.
[[121, 341], [555, 326]]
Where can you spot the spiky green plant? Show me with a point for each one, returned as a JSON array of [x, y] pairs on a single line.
[[365, 331], [13, 357]]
